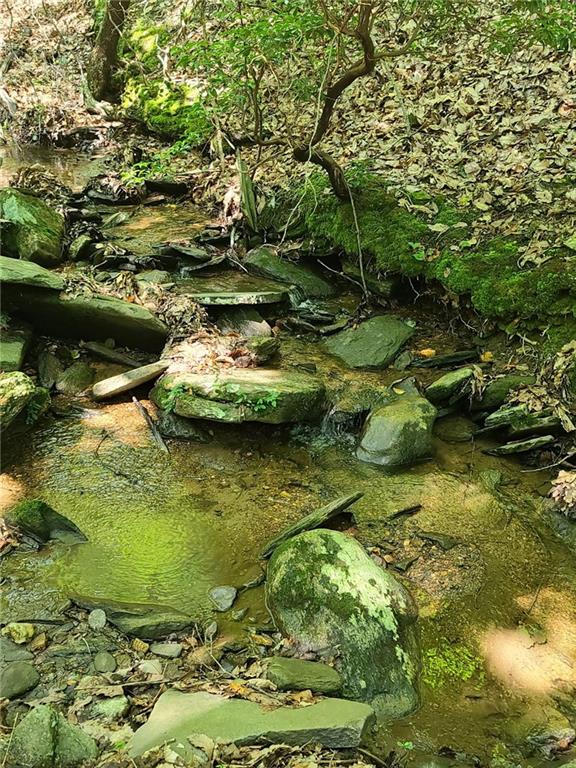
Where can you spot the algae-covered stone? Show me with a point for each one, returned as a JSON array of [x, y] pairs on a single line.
[[453, 383], [75, 379], [498, 390], [144, 620], [372, 344], [398, 433], [17, 272], [38, 520], [265, 261], [245, 321], [176, 716], [16, 391], [327, 595], [37, 231], [45, 739], [299, 675], [14, 342], [17, 678], [237, 395]]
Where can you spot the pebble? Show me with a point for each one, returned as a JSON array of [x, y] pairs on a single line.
[[168, 650], [17, 678], [223, 597], [211, 631], [97, 619], [19, 632], [239, 615], [104, 662]]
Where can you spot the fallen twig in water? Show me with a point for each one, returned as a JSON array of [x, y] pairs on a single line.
[[151, 425]]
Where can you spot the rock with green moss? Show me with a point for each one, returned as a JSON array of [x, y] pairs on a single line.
[[38, 520], [17, 678], [37, 231], [299, 675], [267, 262], [16, 272], [14, 343], [398, 433], [328, 596], [236, 395], [372, 344], [543, 730], [45, 739], [498, 390], [145, 620], [75, 379], [16, 391], [450, 385]]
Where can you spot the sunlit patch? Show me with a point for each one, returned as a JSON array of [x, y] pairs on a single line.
[[11, 491]]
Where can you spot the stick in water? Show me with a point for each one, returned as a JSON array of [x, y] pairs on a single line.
[[151, 425]]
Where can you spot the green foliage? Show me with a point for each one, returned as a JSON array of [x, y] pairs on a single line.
[[550, 22], [449, 663], [170, 397], [258, 403], [160, 164]]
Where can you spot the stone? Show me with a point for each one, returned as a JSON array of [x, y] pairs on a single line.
[[45, 739], [80, 248], [19, 632], [263, 348], [372, 344], [110, 710], [179, 428], [298, 675], [39, 521], [124, 382], [223, 597], [86, 317], [231, 289], [453, 383], [237, 395], [14, 343], [49, 369], [97, 619], [498, 390], [167, 650], [17, 272], [245, 321], [398, 433], [542, 730], [37, 231], [17, 678], [331, 722], [75, 379], [104, 662], [144, 620], [155, 276], [16, 391], [150, 667], [265, 261], [11, 651], [328, 596]]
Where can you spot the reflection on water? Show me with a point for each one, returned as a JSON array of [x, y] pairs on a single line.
[[70, 166]]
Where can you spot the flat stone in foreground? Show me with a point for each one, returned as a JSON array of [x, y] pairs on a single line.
[[115, 385], [19, 272], [331, 722]]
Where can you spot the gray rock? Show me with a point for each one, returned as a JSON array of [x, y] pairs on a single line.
[[124, 382], [331, 722], [223, 597], [16, 391], [17, 272], [144, 620], [10, 651], [398, 433], [75, 379], [327, 595], [37, 231], [150, 667], [38, 520], [245, 321], [449, 385], [14, 343], [157, 276], [231, 289], [167, 650], [104, 662], [97, 619], [110, 710], [45, 739], [179, 428], [298, 675], [17, 678], [372, 344], [265, 261]]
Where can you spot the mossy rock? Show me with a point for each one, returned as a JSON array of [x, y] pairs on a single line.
[[17, 272], [449, 385], [289, 674], [372, 344], [497, 391], [266, 261], [327, 595], [16, 391], [37, 231], [14, 343], [38, 520]]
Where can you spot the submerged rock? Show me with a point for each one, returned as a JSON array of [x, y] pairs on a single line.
[[16, 391], [11, 651], [176, 716], [542, 730], [328, 596], [372, 344], [144, 620], [179, 428], [398, 433], [42, 523], [16, 272], [237, 395], [265, 261], [36, 231], [223, 597], [45, 739], [298, 675], [17, 678]]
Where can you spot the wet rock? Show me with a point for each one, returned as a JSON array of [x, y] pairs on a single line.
[[45, 739], [80, 248], [263, 348], [498, 390], [223, 597], [179, 428], [155, 276], [237, 395], [86, 317], [144, 620], [542, 730], [11, 651], [328, 596], [398, 433], [372, 344], [167, 650], [104, 662], [97, 619], [298, 675], [450, 385], [37, 231], [331, 722], [245, 321], [14, 343], [16, 391], [128, 380], [266, 261], [16, 272], [42, 523], [49, 369], [75, 379], [17, 678], [110, 710]]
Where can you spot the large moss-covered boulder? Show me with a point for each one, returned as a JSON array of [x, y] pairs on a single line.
[[37, 519], [35, 232], [372, 344], [16, 391], [328, 596], [266, 261], [242, 394], [398, 433]]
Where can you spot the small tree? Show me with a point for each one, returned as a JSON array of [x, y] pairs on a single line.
[[104, 55]]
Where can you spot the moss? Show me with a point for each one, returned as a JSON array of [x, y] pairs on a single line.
[[448, 663]]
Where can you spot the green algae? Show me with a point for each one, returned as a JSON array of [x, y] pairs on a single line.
[[449, 663]]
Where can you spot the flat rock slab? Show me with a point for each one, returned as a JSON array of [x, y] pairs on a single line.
[[245, 321], [242, 394], [300, 675], [450, 385], [232, 289], [129, 380], [176, 716], [18, 272], [372, 344], [144, 620], [266, 261]]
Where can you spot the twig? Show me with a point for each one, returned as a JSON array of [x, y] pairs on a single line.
[[550, 466], [406, 511], [10, 741], [376, 760], [151, 425]]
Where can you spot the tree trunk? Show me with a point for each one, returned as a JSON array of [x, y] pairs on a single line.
[[104, 56], [329, 164]]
